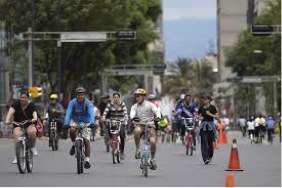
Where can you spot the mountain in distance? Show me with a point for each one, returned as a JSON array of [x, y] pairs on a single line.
[[189, 38]]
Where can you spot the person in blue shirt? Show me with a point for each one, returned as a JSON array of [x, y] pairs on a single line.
[[270, 123], [186, 109], [80, 110]]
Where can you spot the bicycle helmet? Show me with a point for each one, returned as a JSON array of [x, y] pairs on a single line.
[[80, 90], [140, 91], [151, 97], [54, 96]]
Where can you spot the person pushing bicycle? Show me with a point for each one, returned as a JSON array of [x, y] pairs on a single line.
[[80, 110], [117, 110], [145, 111]]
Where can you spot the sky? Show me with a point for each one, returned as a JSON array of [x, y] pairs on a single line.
[[195, 9], [188, 26]]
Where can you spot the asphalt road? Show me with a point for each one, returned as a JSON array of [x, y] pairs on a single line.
[[261, 165]]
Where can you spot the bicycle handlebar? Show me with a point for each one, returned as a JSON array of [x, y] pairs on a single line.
[[22, 123]]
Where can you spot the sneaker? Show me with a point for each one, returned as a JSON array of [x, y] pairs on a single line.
[[87, 165], [138, 155], [34, 151], [207, 161], [153, 164], [72, 151], [15, 161]]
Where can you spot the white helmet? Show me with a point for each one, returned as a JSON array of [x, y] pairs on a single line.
[[182, 96], [151, 96]]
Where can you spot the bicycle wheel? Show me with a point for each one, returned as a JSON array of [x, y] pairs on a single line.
[[191, 146], [56, 138], [20, 155], [118, 152], [52, 138], [79, 161], [29, 160], [145, 165], [187, 145]]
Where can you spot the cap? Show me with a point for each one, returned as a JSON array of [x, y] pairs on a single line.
[[105, 96], [206, 96]]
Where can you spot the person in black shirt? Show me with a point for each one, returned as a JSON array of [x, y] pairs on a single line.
[[105, 99], [207, 113], [22, 110]]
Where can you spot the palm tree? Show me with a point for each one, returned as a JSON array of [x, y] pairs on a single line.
[[193, 75]]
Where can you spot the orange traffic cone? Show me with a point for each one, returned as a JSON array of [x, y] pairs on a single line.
[[229, 180], [234, 162], [222, 137]]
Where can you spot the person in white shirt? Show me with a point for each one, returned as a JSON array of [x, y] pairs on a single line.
[[145, 111]]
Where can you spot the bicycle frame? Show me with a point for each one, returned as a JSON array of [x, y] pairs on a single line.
[[53, 136], [115, 126], [80, 147], [189, 126], [23, 150], [146, 148]]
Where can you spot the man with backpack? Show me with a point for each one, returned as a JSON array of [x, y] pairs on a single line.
[[80, 110]]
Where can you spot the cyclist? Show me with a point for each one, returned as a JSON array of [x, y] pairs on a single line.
[[117, 110], [179, 102], [207, 113], [270, 123], [22, 110], [186, 109], [242, 122], [251, 126], [55, 111], [259, 127], [145, 111], [80, 110], [105, 100], [152, 98]]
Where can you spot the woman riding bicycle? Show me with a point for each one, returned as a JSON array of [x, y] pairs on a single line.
[[22, 110], [117, 110]]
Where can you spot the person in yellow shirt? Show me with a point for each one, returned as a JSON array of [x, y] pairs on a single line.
[[259, 126]]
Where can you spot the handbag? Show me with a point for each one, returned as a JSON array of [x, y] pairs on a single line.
[[39, 125]]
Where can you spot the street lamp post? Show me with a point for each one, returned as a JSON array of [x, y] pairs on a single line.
[[275, 105]]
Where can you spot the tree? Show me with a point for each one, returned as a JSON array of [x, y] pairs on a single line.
[[187, 74], [243, 61], [88, 59]]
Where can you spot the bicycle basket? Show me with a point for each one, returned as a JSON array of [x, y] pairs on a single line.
[[115, 126]]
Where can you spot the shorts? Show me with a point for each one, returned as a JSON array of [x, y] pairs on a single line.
[[86, 132]]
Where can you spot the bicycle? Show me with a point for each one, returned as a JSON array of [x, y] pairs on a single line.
[[146, 148], [80, 147], [114, 127], [53, 136], [23, 150], [189, 126]]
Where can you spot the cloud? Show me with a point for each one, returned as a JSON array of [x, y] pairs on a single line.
[[182, 9]]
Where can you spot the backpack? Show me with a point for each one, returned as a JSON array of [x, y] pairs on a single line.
[[75, 106]]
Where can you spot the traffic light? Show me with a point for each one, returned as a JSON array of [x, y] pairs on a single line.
[[35, 92]]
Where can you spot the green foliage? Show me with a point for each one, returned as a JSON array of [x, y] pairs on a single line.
[[245, 61], [195, 76], [83, 62]]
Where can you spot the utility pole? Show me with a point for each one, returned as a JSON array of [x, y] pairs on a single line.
[[59, 45], [30, 80]]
